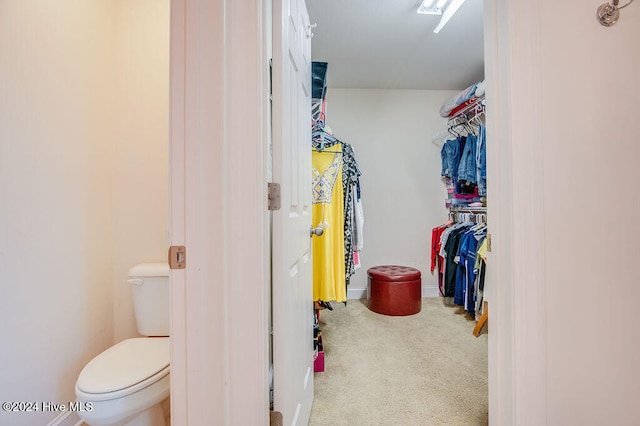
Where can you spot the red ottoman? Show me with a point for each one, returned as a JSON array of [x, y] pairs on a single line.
[[394, 290]]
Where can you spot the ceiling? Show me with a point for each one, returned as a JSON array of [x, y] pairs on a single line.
[[385, 44]]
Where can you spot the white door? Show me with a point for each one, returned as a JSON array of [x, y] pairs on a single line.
[[292, 273]]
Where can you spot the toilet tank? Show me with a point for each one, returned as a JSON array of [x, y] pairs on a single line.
[[150, 286]]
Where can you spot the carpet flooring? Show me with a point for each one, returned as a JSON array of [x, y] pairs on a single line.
[[419, 370]]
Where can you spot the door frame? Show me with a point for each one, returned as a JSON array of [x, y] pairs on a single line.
[[516, 296], [218, 151]]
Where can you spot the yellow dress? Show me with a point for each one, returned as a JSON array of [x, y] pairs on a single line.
[[328, 211]]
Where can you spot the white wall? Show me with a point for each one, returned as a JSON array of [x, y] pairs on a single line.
[[63, 156], [55, 167], [402, 194], [141, 37], [567, 353], [590, 203]]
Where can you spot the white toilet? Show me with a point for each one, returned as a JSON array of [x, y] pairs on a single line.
[[127, 383]]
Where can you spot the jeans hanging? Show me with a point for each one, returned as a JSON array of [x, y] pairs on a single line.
[[450, 154], [467, 167], [481, 161]]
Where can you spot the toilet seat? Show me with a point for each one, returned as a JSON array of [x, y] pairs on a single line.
[[125, 368]]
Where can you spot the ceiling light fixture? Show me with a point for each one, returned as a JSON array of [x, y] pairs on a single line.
[[431, 7], [451, 9]]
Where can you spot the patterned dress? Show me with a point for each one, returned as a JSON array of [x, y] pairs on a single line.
[[349, 175], [328, 212]]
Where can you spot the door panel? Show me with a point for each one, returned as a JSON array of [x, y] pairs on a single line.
[[292, 274]]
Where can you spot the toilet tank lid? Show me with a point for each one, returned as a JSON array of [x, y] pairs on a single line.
[[150, 270]]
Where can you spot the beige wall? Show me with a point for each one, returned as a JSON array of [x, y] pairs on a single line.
[[65, 151], [563, 336], [590, 160], [140, 178], [402, 194]]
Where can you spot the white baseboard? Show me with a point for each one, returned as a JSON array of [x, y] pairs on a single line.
[[68, 418], [361, 293], [430, 291], [356, 293]]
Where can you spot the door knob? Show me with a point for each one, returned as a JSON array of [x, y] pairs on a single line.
[[317, 231]]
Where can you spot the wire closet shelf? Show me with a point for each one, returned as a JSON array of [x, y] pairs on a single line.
[[466, 114]]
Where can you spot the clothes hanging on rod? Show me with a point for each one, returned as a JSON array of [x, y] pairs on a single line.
[[327, 213], [323, 137], [458, 247], [335, 257], [458, 256], [336, 198], [464, 169]]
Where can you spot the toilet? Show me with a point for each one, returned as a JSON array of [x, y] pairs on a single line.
[[127, 383]]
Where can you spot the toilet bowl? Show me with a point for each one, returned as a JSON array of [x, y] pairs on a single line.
[[127, 383]]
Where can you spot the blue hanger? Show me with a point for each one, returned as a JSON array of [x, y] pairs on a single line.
[[323, 137]]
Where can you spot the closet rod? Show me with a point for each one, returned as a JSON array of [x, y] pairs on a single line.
[[326, 150], [468, 209]]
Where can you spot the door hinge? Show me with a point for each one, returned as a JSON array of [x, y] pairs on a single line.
[[276, 418], [177, 257], [274, 196], [489, 242]]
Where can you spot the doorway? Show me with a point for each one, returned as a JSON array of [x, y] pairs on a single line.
[[201, 96], [390, 125], [84, 161]]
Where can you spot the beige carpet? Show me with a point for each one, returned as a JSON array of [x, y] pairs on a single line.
[[419, 370]]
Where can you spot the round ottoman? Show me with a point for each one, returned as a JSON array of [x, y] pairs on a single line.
[[394, 290]]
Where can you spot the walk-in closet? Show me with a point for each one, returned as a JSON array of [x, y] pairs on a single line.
[[408, 105]]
